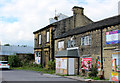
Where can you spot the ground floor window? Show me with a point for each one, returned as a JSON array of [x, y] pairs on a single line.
[[38, 57]]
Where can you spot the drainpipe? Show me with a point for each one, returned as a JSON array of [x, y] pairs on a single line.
[[78, 65], [52, 43], [101, 49]]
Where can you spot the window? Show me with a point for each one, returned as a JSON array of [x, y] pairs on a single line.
[[71, 43], [39, 54], [48, 36], [39, 39], [61, 44], [86, 40], [37, 57]]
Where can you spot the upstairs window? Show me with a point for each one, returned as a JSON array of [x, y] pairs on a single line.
[[39, 39], [61, 44], [48, 36], [86, 40]]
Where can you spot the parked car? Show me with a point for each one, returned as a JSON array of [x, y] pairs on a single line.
[[4, 65]]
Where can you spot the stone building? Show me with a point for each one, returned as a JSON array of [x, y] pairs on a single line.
[[95, 41], [44, 43]]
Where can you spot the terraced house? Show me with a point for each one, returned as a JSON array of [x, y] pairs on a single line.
[[44, 38], [98, 40]]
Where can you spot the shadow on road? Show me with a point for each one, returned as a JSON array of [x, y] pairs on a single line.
[[5, 69]]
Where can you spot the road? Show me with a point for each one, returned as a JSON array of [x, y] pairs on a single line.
[[21, 75]]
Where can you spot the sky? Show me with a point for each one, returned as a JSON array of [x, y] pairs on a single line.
[[20, 18]]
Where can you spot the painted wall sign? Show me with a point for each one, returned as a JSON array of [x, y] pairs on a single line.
[[113, 37]]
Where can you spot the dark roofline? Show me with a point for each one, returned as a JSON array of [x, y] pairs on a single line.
[[50, 25], [77, 7], [93, 26]]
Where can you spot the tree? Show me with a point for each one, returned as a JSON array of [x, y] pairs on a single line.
[[6, 44]]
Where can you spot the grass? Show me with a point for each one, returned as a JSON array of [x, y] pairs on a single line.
[[43, 70], [94, 78]]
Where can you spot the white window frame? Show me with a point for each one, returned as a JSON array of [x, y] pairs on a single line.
[[40, 39], [60, 44], [48, 36], [86, 40]]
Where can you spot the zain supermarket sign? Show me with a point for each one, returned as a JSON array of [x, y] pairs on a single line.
[[113, 37]]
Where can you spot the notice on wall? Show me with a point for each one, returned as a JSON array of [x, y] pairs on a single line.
[[113, 37], [86, 63]]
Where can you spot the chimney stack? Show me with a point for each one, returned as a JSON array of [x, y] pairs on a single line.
[[77, 10]]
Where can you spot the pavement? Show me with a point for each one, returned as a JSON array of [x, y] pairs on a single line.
[[87, 80]]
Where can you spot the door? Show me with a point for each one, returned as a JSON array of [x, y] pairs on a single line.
[[46, 58], [71, 66]]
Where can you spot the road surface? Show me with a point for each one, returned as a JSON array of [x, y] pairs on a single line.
[[21, 75]]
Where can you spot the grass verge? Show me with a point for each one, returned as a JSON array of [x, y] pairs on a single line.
[[43, 70]]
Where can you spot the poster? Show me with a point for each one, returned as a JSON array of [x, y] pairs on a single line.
[[58, 63], [115, 76], [37, 60], [86, 63], [117, 57], [61, 63], [112, 37], [98, 64], [64, 63]]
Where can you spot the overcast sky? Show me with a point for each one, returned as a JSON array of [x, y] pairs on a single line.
[[20, 18]]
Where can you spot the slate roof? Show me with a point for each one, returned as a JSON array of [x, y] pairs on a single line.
[[50, 25], [13, 50], [68, 53], [93, 26]]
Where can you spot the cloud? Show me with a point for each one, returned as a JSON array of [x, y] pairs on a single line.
[[30, 15]]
